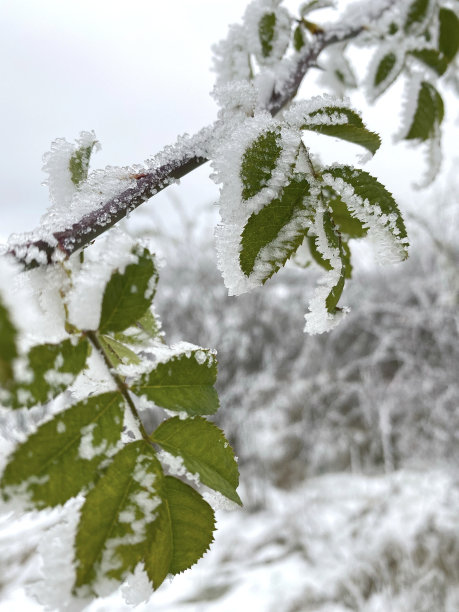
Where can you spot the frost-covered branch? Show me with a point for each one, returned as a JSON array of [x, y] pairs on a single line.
[[56, 244]]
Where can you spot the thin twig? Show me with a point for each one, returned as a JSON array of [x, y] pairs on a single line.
[[122, 387]]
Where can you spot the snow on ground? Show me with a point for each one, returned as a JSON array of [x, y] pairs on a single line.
[[339, 543]]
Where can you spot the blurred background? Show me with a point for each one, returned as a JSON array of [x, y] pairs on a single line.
[[347, 442]]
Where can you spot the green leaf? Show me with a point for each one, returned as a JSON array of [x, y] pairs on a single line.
[[204, 450], [386, 72], [258, 163], [264, 227], [128, 294], [266, 30], [49, 369], [64, 455], [417, 13], [118, 519], [317, 255], [8, 351], [334, 242], [346, 223], [370, 202], [184, 531], [184, 383], [298, 38], [448, 41], [431, 58], [347, 125], [118, 352], [79, 163], [428, 115], [384, 68]]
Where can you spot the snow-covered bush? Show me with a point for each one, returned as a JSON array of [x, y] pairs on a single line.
[[79, 333]]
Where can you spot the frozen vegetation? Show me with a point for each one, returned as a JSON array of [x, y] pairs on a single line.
[[346, 441]]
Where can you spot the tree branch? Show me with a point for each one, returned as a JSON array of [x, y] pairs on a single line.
[[65, 242]]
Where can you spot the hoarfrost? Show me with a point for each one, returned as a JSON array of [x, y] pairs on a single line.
[[281, 30]]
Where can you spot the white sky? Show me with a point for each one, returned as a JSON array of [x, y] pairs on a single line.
[[138, 73]]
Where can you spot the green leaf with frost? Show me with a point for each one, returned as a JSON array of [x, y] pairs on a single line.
[[128, 294], [79, 163], [416, 14], [8, 350], [204, 450], [374, 204], [343, 219], [428, 115], [46, 371], [448, 39], [183, 531], [64, 455], [265, 227], [119, 517], [298, 38], [431, 58], [258, 163], [184, 383], [266, 31], [148, 327], [118, 352], [344, 123], [387, 70]]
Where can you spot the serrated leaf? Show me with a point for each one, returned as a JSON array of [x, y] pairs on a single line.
[[79, 163], [184, 383], [346, 223], [49, 369], [118, 518], [428, 115], [448, 40], [264, 227], [431, 58], [258, 163], [63, 456], [370, 202], [184, 531], [347, 125], [266, 30], [298, 38], [129, 294], [118, 352], [204, 450], [416, 14], [8, 350]]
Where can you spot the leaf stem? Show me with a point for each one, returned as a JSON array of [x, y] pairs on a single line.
[[122, 387]]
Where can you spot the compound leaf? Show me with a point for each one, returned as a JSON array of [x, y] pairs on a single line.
[[204, 450], [416, 14]]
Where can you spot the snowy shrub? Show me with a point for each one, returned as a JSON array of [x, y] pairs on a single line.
[[125, 423]]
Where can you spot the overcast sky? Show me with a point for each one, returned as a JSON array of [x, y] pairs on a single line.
[[138, 73]]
